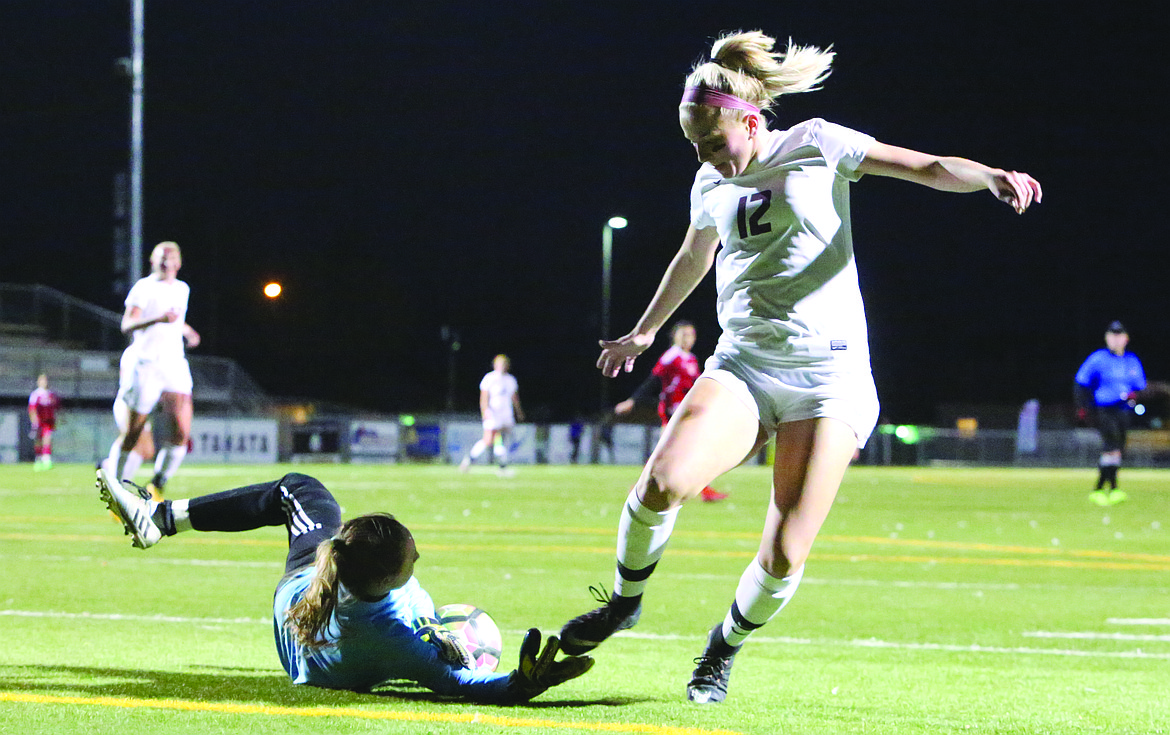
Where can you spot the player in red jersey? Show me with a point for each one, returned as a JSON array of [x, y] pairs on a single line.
[[42, 412], [674, 374]]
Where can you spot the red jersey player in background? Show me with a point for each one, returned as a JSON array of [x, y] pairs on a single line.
[[673, 375], [42, 412]]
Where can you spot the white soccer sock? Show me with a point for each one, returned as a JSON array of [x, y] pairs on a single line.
[[168, 460], [642, 537], [477, 450], [500, 452], [133, 462], [116, 460], [180, 515], [758, 598]]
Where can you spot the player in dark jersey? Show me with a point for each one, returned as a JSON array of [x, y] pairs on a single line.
[[344, 609], [1108, 383], [673, 375]]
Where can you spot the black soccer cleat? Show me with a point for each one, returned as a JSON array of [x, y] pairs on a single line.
[[712, 670], [586, 632]]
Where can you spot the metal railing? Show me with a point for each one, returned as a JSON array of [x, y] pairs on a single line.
[[78, 345], [41, 313]]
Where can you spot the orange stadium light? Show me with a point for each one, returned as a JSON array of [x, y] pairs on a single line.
[[272, 290]]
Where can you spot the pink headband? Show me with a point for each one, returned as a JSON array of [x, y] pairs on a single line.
[[715, 98]]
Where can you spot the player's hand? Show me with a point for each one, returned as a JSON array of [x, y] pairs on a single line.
[[448, 645], [1017, 190], [619, 354], [539, 670], [170, 317], [624, 407], [191, 337]]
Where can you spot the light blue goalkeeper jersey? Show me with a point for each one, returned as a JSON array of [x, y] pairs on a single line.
[[378, 646]]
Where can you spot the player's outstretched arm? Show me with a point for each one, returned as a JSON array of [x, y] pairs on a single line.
[[539, 670], [950, 173], [685, 271]]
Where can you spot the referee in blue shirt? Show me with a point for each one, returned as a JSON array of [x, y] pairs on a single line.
[[1108, 383]]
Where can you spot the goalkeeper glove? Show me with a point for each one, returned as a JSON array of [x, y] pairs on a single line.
[[451, 647], [539, 670]]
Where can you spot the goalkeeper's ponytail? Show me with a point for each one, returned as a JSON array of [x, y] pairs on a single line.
[[367, 551]]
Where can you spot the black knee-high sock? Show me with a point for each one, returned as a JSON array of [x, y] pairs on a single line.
[[1102, 471], [246, 508], [1111, 476]]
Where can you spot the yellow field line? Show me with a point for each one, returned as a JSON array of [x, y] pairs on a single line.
[[978, 546], [998, 562], [351, 712], [553, 530], [1122, 562]]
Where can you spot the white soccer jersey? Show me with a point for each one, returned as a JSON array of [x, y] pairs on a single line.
[[500, 388], [162, 341], [785, 276]]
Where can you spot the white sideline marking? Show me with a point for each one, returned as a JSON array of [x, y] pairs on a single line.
[[1078, 635], [943, 647], [131, 618], [1138, 621], [441, 569], [152, 560], [855, 643]]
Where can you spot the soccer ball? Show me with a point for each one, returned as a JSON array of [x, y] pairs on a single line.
[[477, 630]]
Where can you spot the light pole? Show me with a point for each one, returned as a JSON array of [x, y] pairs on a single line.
[[137, 71], [614, 223]]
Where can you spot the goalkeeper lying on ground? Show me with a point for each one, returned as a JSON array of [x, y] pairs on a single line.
[[344, 607]]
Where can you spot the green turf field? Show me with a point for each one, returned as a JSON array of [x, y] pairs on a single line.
[[936, 601]]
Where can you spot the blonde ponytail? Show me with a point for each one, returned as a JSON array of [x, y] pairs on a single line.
[[309, 617], [743, 64], [366, 552]]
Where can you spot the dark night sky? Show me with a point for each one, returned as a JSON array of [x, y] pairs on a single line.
[[408, 165]]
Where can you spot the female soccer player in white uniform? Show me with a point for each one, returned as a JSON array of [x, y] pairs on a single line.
[[499, 405], [793, 359], [156, 312], [144, 448]]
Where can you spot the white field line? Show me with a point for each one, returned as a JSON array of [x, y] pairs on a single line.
[[942, 647], [154, 560], [120, 617], [1095, 636], [1138, 621], [759, 639]]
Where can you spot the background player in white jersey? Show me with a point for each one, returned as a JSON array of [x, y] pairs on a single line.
[[793, 359], [499, 405], [156, 316], [143, 449]]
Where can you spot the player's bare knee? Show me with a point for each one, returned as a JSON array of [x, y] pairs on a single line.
[[670, 484], [780, 565]]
